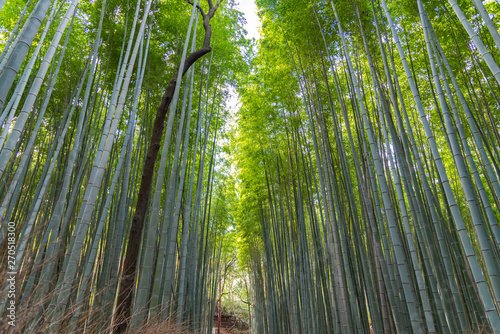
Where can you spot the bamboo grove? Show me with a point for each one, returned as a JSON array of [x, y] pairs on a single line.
[[368, 166], [80, 83], [358, 181]]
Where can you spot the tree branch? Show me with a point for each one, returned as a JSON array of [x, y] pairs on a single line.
[[197, 6], [217, 5], [212, 8]]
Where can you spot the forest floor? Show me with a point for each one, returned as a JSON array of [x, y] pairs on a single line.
[[230, 324]]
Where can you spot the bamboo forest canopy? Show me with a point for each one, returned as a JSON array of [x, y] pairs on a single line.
[[341, 174]]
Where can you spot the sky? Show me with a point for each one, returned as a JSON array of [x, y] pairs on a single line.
[[248, 8]]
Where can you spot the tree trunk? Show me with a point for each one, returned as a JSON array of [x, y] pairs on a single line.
[[130, 263]]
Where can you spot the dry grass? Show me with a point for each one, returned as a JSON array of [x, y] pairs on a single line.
[[25, 325], [32, 316]]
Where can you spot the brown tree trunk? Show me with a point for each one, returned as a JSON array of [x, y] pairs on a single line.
[[125, 292]]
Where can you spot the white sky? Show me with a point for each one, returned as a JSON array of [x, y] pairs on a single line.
[[248, 8]]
